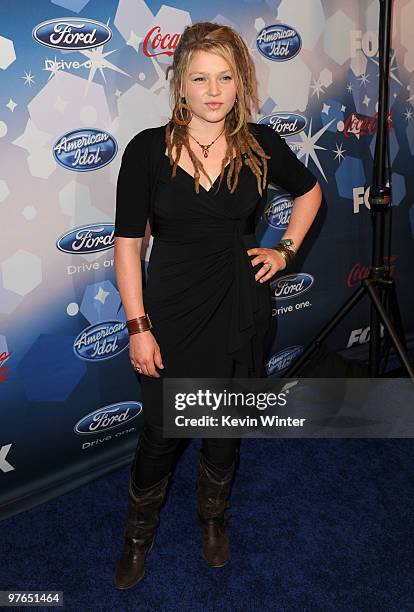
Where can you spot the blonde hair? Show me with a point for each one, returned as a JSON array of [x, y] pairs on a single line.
[[228, 44]]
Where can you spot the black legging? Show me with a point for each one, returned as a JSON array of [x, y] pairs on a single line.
[[155, 456]]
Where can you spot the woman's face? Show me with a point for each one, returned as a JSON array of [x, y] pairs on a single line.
[[210, 88]]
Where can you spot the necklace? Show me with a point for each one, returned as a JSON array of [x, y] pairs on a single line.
[[206, 147]]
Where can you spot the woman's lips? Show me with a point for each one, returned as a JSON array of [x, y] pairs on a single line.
[[214, 105]]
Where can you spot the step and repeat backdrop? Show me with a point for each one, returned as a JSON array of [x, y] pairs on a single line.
[[78, 79]]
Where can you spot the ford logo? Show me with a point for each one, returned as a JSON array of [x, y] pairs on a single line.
[[101, 341], [85, 149], [285, 124], [282, 360], [108, 417], [72, 33], [291, 285], [87, 239], [278, 211], [279, 42]]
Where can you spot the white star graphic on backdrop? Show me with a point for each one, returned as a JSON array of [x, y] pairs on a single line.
[[11, 104], [53, 68], [343, 108], [32, 138], [134, 40], [408, 114], [101, 295], [28, 78], [308, 145], [118, 93], [317, 88], [325, 109], [160, 83], [60, 104], [339, 152], [349, 87], [366, 101], [98, 62], [363, 79], [393, 68]]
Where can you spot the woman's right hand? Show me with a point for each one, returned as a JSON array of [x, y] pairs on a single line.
[[144, 352]]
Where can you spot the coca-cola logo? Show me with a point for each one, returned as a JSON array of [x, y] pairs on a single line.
[[4, 369], [156, 43], [358, 125], [358, 272]]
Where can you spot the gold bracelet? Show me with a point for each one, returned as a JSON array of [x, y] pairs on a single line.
[[287, 254], [282, 253], [138, 325]]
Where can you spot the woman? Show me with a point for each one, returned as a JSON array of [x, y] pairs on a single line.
[[207, 306]]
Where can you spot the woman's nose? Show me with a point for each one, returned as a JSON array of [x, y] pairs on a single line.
[[213, 89]]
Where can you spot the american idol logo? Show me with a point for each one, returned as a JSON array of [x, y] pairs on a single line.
[[72, 33], [279, 42], [87, 239], [285, 124], [101, 341], [85, 149], [108, 417], [291, 286], [278, 211], [282, 360]]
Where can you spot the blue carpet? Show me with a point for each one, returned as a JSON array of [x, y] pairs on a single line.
[[317, 525]]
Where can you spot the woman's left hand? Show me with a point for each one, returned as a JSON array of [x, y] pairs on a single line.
[[272, 262]]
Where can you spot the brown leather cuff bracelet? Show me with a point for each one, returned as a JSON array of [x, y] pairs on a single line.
[[138, 325]]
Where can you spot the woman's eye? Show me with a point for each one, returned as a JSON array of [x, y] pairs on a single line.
[[226, 78]]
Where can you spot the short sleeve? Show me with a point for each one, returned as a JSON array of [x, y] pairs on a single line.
[[133, 190], [284, 169]]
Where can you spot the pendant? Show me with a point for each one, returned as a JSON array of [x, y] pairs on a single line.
[[205, 150]]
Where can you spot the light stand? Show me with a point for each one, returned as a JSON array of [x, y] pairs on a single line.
[[379, 285]]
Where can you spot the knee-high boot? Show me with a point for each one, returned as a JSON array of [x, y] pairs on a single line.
[[141, 526], [213, 489]]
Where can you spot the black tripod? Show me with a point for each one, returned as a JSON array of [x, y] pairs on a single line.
[[379, 285]]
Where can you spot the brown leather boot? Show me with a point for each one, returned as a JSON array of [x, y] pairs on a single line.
[[141, 526], [213, 489]]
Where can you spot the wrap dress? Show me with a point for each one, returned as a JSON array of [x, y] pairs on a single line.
[[209, 314]]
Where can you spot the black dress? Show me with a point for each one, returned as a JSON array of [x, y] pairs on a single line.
[[209, 314]]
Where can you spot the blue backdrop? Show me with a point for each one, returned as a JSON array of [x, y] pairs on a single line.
[[78, 79]]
